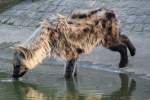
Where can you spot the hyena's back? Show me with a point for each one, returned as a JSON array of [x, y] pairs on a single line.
[[90, 28]]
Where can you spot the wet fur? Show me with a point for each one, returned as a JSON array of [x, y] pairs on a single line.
[[72, 35]]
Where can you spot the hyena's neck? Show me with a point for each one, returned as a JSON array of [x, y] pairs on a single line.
[[39, 48]]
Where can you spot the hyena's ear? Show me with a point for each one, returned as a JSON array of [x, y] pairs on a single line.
[[24, 52]]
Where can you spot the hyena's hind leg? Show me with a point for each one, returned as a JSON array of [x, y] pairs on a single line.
[[117, 46], [122, 49], [124, 39], [71, 68]]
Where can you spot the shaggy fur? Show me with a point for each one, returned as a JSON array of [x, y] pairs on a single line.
[[68, 37]]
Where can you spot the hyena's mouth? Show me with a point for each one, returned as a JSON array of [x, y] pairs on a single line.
[[19, 72]]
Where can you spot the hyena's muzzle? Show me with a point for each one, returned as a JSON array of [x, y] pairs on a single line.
[[19, 69]]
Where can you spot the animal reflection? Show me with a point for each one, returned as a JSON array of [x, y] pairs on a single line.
[[71, 90], [32, 92], [123, 93]]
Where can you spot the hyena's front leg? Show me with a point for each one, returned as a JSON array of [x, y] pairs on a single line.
[[124, 39], [71, 68]]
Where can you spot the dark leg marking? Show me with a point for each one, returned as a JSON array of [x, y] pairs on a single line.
[[70, 68], [121, 48]]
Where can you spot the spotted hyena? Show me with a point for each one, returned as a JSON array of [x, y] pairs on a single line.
[[69, 36]]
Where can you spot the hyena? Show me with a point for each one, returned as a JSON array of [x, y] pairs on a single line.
[[69, 36]]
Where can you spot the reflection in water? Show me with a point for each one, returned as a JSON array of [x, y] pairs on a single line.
[[71, 90], [32, 92], [123, 93], [29, 92]]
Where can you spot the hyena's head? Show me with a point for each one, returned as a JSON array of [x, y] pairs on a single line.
[[19, 68]]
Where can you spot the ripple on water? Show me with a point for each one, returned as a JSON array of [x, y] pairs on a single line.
[[9, 80], [147, 77], [103, 67], [6, 80]]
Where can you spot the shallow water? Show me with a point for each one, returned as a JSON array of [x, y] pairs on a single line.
[[46, 82]]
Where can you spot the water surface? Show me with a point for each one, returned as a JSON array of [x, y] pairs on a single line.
[[46, 82]]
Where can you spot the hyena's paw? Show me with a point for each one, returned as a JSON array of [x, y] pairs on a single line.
[[123, 64], [133, 51]]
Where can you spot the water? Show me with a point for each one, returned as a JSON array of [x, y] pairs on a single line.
[[68, 90], [46, 82]]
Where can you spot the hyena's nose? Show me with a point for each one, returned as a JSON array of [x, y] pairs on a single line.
[[19, 72], [15, 76]]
